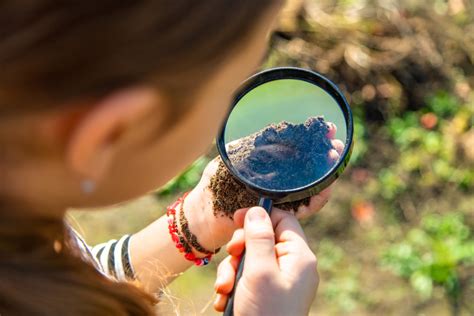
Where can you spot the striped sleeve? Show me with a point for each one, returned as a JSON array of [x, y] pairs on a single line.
[[114, 259]]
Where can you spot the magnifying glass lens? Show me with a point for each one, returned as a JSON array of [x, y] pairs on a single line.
[[284, 135]]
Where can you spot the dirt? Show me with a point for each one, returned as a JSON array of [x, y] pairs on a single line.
[[278, 157]]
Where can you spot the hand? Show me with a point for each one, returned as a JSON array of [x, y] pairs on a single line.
[[318, 201], [215, 232], [280, 275]]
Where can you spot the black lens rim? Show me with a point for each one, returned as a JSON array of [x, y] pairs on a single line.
[[281, 196]]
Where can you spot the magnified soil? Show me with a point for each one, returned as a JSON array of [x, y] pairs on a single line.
[[278, 157]]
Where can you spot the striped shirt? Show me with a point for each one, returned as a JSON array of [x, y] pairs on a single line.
[[111, 258]]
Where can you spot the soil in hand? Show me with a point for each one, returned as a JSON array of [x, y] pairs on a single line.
[[278, 157]]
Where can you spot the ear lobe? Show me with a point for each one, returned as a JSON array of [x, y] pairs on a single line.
[[93, 140]]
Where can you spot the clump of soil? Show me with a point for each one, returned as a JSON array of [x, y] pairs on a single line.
[[280, 156]]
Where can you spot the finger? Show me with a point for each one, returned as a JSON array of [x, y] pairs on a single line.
[[239, 217], [259, 242], [333, 156], [316, 203], [283, 249], [287, 227], [236, 245], [220, 302], [338, 145], [332, 130], [226, 275]]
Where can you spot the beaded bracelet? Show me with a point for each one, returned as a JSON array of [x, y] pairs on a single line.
[[179, 240], [190, 237]]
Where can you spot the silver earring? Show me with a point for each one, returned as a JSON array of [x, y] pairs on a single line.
[[87, 186]]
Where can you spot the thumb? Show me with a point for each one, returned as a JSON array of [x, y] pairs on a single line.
[[259, 241]]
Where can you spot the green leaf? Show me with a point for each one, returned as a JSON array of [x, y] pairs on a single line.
[[422, 284], [443, 103], [187, 180]]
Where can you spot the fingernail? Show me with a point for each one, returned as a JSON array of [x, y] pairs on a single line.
[[257, 214]]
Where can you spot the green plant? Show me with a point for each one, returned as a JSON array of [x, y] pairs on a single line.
[[187, 180], [443, 103], [433, 255], [428, 145], [360, 139], [340, 282], [391, 184]]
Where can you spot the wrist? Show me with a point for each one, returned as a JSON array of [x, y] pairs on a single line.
[[212, 232], [183, 243]]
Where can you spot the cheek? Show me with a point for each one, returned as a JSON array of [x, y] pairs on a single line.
[[202, 125], [212, 115]]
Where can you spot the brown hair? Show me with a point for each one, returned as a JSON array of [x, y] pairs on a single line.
[[57, 51], [41, 275], [53, 52]]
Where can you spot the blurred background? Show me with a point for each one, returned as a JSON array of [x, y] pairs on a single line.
[[397, 236]]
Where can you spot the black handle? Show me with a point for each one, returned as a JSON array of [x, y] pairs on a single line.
[[229, 308]]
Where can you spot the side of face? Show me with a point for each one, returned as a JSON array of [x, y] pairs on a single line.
[[126, 147]]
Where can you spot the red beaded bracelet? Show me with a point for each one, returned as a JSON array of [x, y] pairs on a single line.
[[179, 241]]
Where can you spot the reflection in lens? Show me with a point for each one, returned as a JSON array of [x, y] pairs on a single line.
[[277, 134], [280, 100], [284, 156]]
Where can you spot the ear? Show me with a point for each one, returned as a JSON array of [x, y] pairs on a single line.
[[97, 133]]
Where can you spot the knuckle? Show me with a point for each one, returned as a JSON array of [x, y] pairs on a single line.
[[262, 234], [310, 269], [219, 269], [223, 264], [261, 277], [311, 261]]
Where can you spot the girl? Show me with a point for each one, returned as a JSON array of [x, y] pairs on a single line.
[[104, 101]]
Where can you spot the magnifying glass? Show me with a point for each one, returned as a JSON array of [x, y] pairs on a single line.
[[277, 138]]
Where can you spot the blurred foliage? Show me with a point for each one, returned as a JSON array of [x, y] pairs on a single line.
[[434, 254], [427, 145], [360, 139], [342, 285], [407, 69], [186, 180]]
